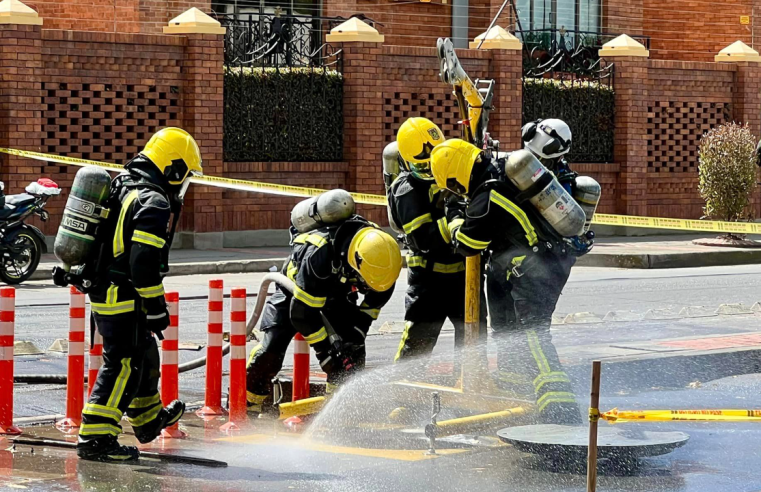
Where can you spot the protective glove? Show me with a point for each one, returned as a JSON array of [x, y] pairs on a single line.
[[338, 361], [455, 208], [156, 315]]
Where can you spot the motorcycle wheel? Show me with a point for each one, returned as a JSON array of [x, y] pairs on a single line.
[[16, 270]]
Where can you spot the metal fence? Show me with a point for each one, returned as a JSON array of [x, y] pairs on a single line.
[[570, 87], [283, 89]]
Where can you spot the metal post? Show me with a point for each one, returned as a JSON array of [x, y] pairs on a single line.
[[471, 365], [594, 416]]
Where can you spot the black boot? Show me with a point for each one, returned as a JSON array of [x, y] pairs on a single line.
[[108, 449], [562, 414], [167, 416]]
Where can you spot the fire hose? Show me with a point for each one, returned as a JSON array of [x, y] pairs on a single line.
[[277, 278]]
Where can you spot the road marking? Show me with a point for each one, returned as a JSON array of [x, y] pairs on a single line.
[[389, 454], [716, 343]]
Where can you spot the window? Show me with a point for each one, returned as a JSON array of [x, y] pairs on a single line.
[[569, 15]]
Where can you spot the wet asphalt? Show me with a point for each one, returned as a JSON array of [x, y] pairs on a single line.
[[718, 456]]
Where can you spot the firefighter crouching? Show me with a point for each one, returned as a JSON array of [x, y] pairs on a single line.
[[330, 267], [527, 229], [128, 301], [435, 272]]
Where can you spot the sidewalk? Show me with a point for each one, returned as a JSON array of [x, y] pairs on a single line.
[[613, 252]]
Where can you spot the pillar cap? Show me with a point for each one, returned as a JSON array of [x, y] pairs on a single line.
[[15, 12], [354, 31], [737, 51], [623, 45], [497, 39], [193, 21]]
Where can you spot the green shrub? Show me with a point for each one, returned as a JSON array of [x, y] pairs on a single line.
[[587, 108], [727, 170], [288, 115]]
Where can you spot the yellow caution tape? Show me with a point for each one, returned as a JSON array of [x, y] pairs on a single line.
[[370, 199], [621, 416], [235, 184]]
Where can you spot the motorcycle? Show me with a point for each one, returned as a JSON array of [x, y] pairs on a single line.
[[21, 244]]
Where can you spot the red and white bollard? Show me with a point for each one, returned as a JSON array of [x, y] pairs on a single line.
[[75, 373], [170, 375], [300, 368], [96, 357], [237, 394], [7, 326], [213, 400]]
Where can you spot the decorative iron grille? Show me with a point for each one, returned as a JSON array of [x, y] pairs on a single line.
[[581, 94], [283, 90]]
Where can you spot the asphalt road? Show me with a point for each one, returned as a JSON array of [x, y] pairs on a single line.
[[718, 457]]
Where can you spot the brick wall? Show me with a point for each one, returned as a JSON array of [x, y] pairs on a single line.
[[662, 110], [124, 16], [409, 24], [384, 85], [248, 211]]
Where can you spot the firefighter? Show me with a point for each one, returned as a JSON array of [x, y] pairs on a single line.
[[435, 272], [128, 305], [531, 261], [330, 267]]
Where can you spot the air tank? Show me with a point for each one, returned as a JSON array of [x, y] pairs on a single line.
[[327, 208], [587, 193], [552, 201], [82, 215]]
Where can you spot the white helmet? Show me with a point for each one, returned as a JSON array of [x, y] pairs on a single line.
[[547, 138]]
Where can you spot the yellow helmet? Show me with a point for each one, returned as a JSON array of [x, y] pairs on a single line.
[[452, 164], [175, 153], [376, 257], [416, 138]]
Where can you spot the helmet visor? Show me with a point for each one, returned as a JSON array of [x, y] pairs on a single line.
[[421, 170]]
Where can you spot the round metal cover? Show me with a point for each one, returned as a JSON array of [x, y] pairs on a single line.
[[570, 442]]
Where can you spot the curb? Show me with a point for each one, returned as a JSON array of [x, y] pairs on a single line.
[[638, 261], [671, 260]]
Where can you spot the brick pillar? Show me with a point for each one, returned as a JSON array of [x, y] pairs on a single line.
[[363, 62], [630, 144], [506, 120], [363, 122], [20, 103], [746, 100], [202, 117]]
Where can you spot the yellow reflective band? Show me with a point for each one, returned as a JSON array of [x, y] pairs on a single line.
[[313, 239], [253, 353], [119, 234], [292, 270], [416, 261], [145, 401], [536, 352], [432, 192], [449, 268], [444, 230], [373, 313], [519, 215], [416, 223], [120, 384], [454, 226], [553, 377], [118, 308], [99, 430], [470, 242], [309, 300], [147, 238], [555, 397], [403, 341], [145, 417], [103, 411], [255, 399], [317, 336], [149, 292], [518, 260]]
